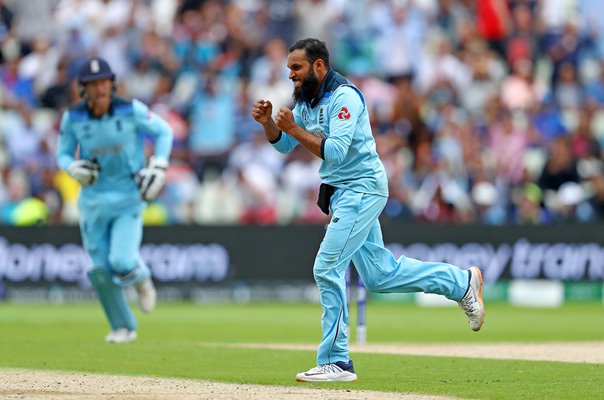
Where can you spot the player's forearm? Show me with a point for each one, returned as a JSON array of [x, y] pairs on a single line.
[[63, 160], [308, 140], [64, 155], [271, 131], [165, 138]]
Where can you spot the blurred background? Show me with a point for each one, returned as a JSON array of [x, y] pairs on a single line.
[[485, 113]]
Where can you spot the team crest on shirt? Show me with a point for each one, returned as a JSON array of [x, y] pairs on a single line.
[[344, 114]]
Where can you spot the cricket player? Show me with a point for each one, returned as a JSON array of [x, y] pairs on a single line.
[[101, 145], [330, 119]]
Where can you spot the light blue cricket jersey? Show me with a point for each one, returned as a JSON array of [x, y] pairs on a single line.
[[339, 115], [116, 141]]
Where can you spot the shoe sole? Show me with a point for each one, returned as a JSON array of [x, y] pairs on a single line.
[[119, 341], [128, 340], [326, 380], [345, 378], [479, 273]]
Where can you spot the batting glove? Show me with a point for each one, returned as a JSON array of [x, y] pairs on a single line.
[[86, 172], [151, 179]]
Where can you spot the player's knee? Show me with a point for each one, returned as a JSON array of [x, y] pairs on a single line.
[[122, 265], [131, 275], [326, 277], [320, 275], [327, 260]]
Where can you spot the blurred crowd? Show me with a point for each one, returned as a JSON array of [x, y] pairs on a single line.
[[484, 111]]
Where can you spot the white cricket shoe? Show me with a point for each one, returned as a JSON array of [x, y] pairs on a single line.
[[472, 303], [120, 335], [337, 372], [146, 295]]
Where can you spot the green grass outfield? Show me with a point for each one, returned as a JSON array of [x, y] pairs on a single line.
[[194, 341]]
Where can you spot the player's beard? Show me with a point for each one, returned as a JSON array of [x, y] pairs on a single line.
[[306, 91]]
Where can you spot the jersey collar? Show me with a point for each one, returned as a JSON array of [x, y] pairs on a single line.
[[330, 83]]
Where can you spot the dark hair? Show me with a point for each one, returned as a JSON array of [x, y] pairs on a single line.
[[315, 50]]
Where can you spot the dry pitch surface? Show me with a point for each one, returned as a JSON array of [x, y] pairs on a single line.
[[47, 385]]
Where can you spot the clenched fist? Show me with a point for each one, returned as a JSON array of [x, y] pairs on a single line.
[[262, 111], [285, 119]]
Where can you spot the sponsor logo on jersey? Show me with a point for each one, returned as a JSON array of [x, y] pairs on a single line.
[[321, 115], [344, 114], [101, 151]]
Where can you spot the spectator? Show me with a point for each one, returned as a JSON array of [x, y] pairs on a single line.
[[571, 204], [18, 87], [507, 145], [40, 65], [560, 167], [6, 25], [594, 92], [493, 21], [592, 27], [519, 91], [61, 92], [258, 191], [486, 74], [528, 206], [522, 44], [567, 90], [143, 81], [489, 211], [565, 47], [583, 144], [315, 18], [405, 27], [212, 133], [596, 184], [548, 122]]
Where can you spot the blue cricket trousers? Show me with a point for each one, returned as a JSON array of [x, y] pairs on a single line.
[[354, 233], [112, 236]]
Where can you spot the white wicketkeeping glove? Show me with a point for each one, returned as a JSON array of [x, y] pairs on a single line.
[[151, 179], [86, 172]]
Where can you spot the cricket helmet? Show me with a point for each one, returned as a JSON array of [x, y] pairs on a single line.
[[94, 69]]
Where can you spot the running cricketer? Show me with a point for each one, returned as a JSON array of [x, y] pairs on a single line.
[[102, 147], [330, 119]]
